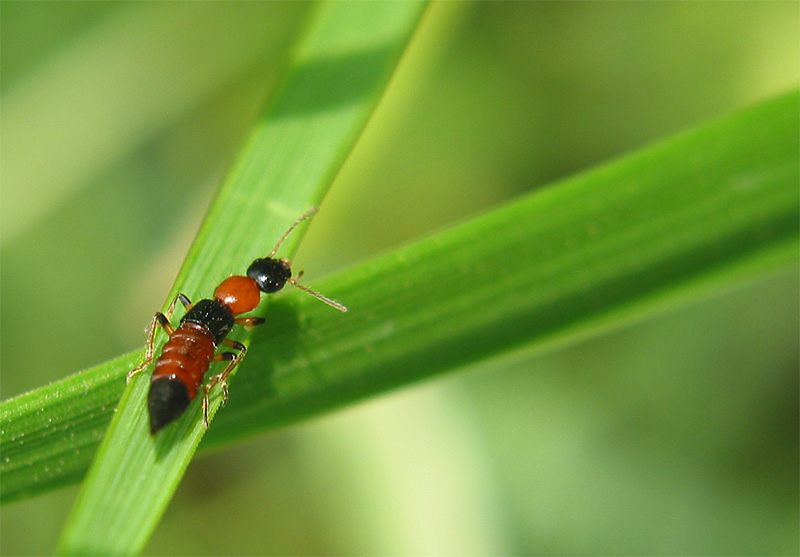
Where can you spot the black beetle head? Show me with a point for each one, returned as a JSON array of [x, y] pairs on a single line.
[[270, 274]]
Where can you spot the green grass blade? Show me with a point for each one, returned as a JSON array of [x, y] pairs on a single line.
[[49, 436], [332, 85], [691, 216], [694, 215]]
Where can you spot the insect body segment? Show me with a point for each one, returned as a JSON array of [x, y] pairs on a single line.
[[191, 348]]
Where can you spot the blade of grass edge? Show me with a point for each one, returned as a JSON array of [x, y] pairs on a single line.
[[286, 166]]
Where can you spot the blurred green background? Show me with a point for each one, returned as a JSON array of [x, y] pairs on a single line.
[[678, 435]]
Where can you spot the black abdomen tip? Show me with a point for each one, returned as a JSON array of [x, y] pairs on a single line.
[[167, 400]]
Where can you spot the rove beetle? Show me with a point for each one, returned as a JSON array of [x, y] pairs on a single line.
[[187, 355]]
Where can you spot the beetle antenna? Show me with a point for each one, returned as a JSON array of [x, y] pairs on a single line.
[[308, 214], [317, 295]]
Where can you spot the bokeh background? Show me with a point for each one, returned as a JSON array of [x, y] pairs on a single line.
[[678, 435]]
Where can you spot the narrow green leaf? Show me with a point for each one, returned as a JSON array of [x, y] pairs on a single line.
[[692, 216], [332, 85]]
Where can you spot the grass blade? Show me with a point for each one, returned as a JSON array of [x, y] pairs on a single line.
[[285, 168], [694, 215]]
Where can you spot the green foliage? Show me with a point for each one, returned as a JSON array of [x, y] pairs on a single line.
[[698, 214], [692, 215]]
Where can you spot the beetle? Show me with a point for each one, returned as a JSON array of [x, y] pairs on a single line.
[[192, 345]]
